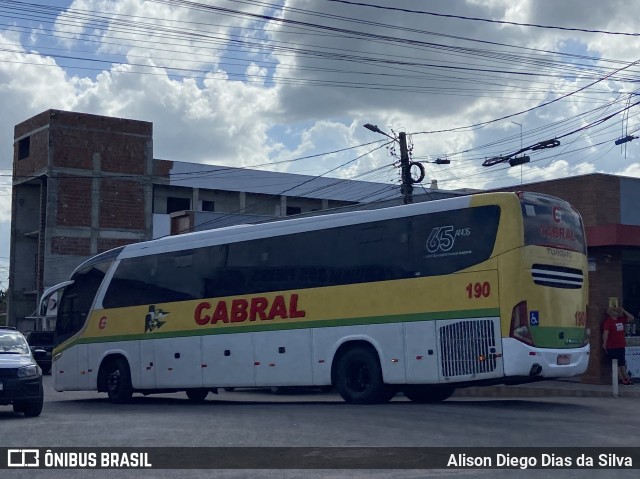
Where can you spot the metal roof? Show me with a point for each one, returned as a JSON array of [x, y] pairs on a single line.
[[212, 177]]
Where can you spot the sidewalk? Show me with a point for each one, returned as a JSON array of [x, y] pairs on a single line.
[[551, 388]]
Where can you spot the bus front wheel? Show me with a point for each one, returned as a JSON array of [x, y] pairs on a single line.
[[428, 393], [197, 394], [119, 386], [359, 377]]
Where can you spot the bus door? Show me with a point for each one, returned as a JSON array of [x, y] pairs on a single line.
[[63, 370], [469, 349]]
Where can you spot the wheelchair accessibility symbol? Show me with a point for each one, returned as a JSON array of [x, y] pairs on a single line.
[[534, 318]]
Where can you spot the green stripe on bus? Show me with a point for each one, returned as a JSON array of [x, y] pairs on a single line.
[[558, 336], [265, 326]]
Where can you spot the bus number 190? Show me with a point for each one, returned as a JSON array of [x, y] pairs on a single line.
[[478, 290]]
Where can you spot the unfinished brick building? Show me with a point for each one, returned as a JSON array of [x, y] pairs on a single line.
[[79, 187]]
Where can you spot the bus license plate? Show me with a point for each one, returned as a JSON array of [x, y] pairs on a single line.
[[564, 359]]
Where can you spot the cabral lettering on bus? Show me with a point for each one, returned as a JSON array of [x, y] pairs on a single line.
[[239, 310], [557, 232]]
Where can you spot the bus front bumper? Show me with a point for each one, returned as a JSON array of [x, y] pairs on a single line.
[[523, 360]]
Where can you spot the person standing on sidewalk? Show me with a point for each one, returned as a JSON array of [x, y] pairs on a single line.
[[613, 339]]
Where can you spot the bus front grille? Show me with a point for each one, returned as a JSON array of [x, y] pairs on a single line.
[[557, 276], [467, 348]]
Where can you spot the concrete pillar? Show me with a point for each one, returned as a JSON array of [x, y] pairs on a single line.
[[96, 183], [283, 206], [195, 200]]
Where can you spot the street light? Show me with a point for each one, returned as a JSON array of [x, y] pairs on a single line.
[[521, 160], [375, 129], [405, 164]]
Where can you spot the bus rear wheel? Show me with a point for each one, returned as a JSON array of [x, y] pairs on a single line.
[[359, 377], [119, 386], [428, 393]]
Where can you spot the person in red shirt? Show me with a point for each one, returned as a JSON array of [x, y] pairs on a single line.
[[613, 339]]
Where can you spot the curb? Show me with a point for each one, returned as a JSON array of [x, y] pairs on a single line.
[[524, 391]]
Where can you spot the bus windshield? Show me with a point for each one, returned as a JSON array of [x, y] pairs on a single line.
[[552, 222], [77, 299]]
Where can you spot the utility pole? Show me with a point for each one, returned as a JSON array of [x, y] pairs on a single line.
[[405, 168], [520, 125], [406, 187]]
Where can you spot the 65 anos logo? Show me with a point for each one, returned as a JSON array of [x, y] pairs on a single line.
[[442, 238]]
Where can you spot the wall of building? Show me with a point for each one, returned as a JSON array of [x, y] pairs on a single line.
[[306, 205], [629, 201], [162, 193], [92, 194], [36, 130], [596, 197], [262, 205], [224, 201], [25, 248], [604, 283], [100, 194]]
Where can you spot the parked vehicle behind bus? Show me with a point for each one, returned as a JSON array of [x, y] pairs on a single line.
[[422, 298], [41, 344]]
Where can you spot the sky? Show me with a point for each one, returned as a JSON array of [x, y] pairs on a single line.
[[245, 83]]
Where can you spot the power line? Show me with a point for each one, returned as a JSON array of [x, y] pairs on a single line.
[[555, 100], [487, 20], [138, 25], [131, 26]]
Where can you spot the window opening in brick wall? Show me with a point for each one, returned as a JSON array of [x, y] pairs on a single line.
[[208, 205], [293, 210], [178, 204], [24, 148]]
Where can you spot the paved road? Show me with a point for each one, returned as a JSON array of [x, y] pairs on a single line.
[[255, 418]]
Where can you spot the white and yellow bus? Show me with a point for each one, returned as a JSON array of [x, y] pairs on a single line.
[[422, 298]]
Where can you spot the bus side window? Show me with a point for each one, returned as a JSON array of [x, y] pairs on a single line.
[[382, 249], [224, 282], [446, 242]]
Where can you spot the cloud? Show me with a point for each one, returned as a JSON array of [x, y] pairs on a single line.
[[631, 170], [225, 87]]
